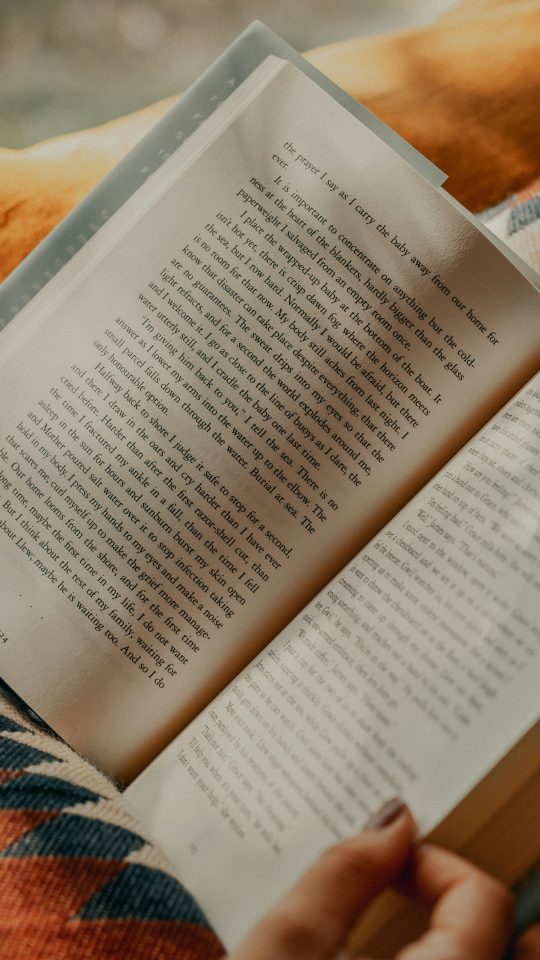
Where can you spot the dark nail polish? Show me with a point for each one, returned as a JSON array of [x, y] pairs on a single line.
[[388, 813]]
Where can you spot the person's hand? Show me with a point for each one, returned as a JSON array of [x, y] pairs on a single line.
[[528, 945], [470, 913]]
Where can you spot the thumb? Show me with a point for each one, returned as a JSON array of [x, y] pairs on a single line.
[[315, 918]]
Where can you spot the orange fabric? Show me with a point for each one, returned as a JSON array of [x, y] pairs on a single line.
[[78, 878], [464, 90]]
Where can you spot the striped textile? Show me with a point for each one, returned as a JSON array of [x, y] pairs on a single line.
[[78, 879], [517, 222]]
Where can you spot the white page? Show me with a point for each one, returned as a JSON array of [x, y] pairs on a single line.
[[410, 675], [347, 382]]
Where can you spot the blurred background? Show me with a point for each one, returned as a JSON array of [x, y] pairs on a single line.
[[69, 64]]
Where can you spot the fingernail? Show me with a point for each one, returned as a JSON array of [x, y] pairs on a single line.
[[388, 813]]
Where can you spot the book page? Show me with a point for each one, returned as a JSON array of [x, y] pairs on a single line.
[[222, 396], [411, 674]]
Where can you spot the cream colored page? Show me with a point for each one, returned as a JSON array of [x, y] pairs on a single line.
[[410, 675], [250, 367]]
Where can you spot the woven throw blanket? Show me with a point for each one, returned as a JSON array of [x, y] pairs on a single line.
[[517, 222], [78, 878]]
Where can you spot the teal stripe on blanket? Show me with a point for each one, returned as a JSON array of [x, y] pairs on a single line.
[[70, 835], [524, 214], [143, 893], [16, 756], [33, 791]]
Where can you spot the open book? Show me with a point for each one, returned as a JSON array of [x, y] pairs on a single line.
[[276, 341]]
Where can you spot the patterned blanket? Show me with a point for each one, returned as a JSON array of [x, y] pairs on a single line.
[[78, 878], [517, 222]]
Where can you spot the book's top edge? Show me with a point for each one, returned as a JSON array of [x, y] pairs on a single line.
[[414, 157], [236, 63]]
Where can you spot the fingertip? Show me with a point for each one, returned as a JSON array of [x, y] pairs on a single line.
[[393, 817], [385, 844], [390, 811]]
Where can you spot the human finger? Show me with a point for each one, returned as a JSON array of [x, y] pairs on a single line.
[[528, 945], [471, 912], [313, 921]]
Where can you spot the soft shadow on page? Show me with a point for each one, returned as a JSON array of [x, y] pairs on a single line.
[[251, 367], [411, 674]]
